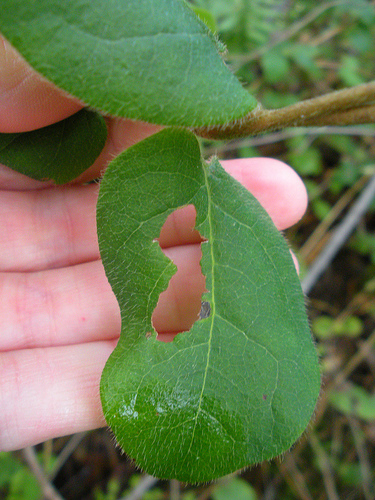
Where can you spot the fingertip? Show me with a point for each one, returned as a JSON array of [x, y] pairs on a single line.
[[277, 187]]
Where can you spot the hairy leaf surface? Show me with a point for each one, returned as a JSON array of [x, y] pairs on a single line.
[[152, 60], [59, 152], [241, 385]]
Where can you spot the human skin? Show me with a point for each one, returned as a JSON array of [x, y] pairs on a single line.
[[60, 318]]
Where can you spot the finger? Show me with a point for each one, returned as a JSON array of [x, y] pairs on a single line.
[[57, 227], [58, 307], [47, 229], [76, 304], [50, 392], [28, 101], [12, 180], [277, 187]]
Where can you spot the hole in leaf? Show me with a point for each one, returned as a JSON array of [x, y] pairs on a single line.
[[180, 305]]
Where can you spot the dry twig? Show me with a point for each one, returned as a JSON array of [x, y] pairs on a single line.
[[49, 491]]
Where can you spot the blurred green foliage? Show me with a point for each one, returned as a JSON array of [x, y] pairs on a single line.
[[326, 327], [354, 401], [112, 490], [234, 489], [17, 482]]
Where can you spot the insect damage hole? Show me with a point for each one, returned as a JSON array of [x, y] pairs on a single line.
[[181, 304]]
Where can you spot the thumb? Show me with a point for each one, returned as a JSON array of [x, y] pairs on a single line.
[[27, 100]]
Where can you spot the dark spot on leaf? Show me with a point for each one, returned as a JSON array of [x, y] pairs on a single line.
[[264, 397], [205, 310]]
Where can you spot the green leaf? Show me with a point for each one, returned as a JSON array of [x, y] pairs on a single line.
[[152, 60], [241, 385], [205, 16], [355, 401], [59, 152], [350, 473], [17, 479], [9, 465], [305, 57], [236, 489], [350, 70], [325, 327], [275, 66]]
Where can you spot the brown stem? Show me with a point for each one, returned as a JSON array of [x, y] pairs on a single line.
[[49, 491], [364, 114], [343, 107]]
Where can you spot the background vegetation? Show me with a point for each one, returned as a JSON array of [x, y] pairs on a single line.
[[284, 51]]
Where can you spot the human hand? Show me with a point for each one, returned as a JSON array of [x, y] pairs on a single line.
[[60, 319]]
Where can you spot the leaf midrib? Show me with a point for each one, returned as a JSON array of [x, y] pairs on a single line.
[[65, 25], [212, 302]]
